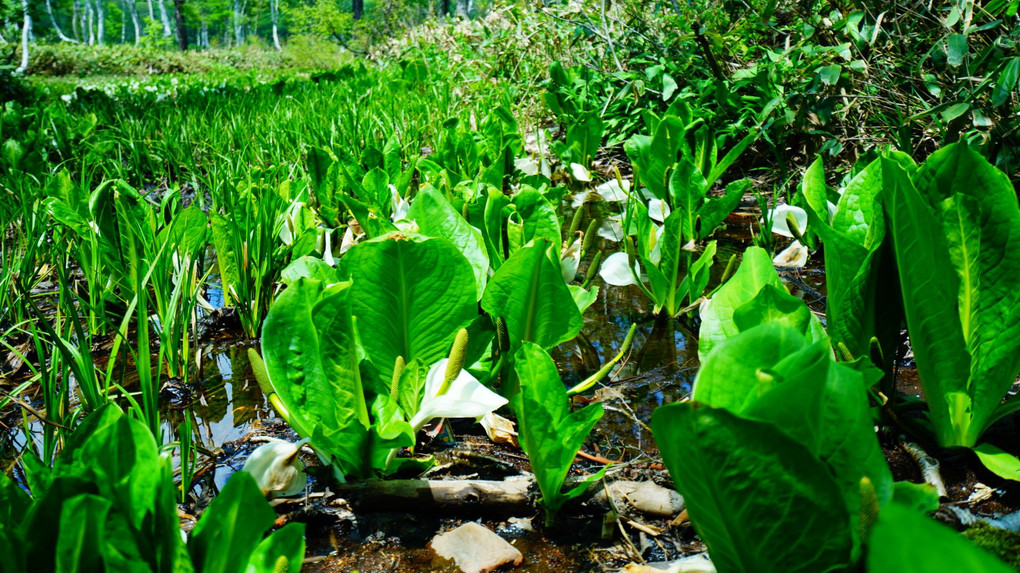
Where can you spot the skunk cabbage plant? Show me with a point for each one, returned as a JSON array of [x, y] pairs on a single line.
[[955, 229]]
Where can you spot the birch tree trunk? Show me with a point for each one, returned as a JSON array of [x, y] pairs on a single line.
[[152, 15], [123, 23], [167, 31], [26, 32], [239, 21], [462, 9], [91, 22], [56, 28], [100, 22], [274, 13], [134, 20]]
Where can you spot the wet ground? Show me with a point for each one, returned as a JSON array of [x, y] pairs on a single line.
[[229, 413]]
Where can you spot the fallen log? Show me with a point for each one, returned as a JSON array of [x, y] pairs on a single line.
[[515, 495]]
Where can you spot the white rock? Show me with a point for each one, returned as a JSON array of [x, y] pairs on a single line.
[[475, 549], [699, 563]]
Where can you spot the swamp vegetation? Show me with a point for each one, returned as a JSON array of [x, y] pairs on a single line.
[[730, 286]]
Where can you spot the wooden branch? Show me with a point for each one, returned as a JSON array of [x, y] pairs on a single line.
[[508, 497], [438, 495]]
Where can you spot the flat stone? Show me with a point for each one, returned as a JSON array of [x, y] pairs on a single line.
[[475, 549]]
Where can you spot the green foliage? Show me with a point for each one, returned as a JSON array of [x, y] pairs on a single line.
[[107, 503], [411, 295], [313, 364], [529, 294], [719, 320], [863, 291], [905, 541], [956, 255], [549, 432], [729, 471]]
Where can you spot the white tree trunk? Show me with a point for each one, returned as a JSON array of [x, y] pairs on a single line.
[[100, 22], [239, 7], [274, 11], [462, 9], [76, 19], [91, 22], [152, 15], [134, 20], [167, 31], [53, 20], [26, 33]]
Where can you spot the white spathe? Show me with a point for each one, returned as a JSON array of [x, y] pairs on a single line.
[[570, 258], [658, 210], [779, 215], [615, 270], [398, 205], [580, 172], [465, 398], [612, 191], [277, 468], [795, 256], [526, 165]]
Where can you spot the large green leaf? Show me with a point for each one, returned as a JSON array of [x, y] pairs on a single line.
[[863, 290], [231, 529], [759, 500], [550, 433], [528, 292], [715, 209], [81, 536], [773, 373], [977, 207], [754, 274], [738, 371], [224, 237], [411, 294], [311, 356], [905, 541], [653, 157], [537, 215], [435, 217], [755, 271], [930, 294]]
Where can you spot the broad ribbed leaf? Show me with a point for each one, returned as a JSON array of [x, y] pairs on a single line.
[[550, 433], [528, 292], [654, 157], [435, 217], [311, 356], [759, 500], [411, 294], [717, 322], [715, 209], [930, 293], [977, 207], [725, 381], [81, 536]]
